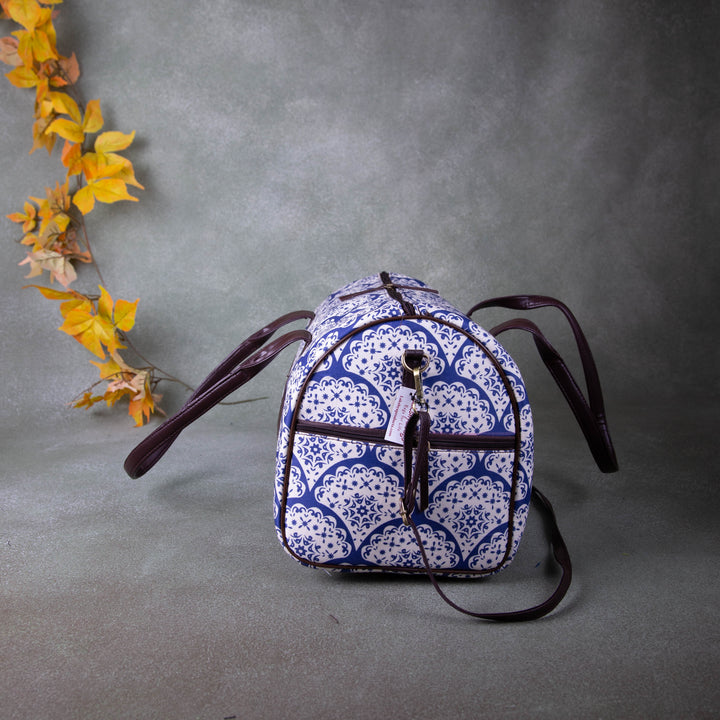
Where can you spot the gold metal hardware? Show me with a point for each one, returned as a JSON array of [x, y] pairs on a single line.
[[419, 399], [404, 513]]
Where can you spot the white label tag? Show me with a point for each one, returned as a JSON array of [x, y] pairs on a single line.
[[401, 411]]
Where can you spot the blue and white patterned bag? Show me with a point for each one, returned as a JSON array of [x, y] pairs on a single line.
[[405, 441]]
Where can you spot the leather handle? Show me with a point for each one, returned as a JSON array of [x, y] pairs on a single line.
[[590, 412], [233, 372]]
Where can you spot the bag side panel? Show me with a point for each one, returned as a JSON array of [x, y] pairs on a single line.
[[337, 500]]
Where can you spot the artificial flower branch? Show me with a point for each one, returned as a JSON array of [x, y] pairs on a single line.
[[54, 227]]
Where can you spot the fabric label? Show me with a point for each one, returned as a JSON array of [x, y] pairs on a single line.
[[401, 411]]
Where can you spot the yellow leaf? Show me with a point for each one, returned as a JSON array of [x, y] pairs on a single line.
[[111, 190], [78, 302], [25, 12], [113, 342], [109, 369], [52, 294], [124, 169], [67, 129], [44, 109], [25, 49], [70, 157], [77, 321], [142, 405], [46, 25], [113, 141], [43, 205], [124, 316], [31, 239], [105, 305], [63, 104], [90, 330], [43, 47], [93, 117], [113, 395], [35, 46], [94, 328], [97, 165], [140, 409], [84, 199], [28, 218], [23, 77], [90, 341], [42, 137], [87, 400]]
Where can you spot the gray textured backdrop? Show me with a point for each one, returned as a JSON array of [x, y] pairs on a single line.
[[288, 147], [567, 148]]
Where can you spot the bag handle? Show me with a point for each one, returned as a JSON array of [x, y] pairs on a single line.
[[590, 413], [233, 372]]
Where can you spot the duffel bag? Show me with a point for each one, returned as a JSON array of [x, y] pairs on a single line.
[[405, 440]]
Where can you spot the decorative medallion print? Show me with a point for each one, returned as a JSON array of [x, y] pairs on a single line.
[[314, 536], [470, 507], [474, 366], [458, 410], [318, 453], [364, 498], [493, 552], [396, 546], [342, 401], [296, 487], [337, 495], [377, 356]]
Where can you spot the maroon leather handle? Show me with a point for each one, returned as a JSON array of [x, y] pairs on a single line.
[[590, 412], [233, 372]]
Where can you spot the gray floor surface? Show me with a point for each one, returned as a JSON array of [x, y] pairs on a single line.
[[170, 597]]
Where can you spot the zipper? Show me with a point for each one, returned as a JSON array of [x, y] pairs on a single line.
[[438, 441]]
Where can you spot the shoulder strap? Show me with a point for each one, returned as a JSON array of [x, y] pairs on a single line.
[[417, 435], [560, 553], [590, 412], [239, 367]]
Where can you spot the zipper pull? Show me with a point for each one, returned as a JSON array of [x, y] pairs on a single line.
[[417, 476], [417, 473]]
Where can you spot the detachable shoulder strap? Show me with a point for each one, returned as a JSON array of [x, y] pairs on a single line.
[[590, 412], [560, 553], [417, 435], [240, 366]]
